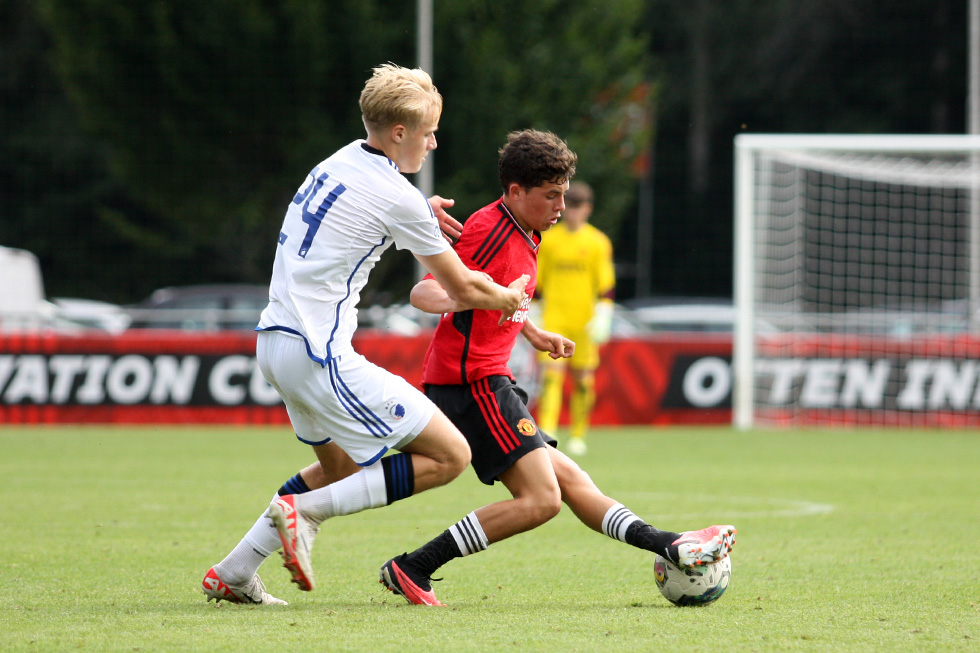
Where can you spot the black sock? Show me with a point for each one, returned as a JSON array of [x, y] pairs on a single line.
[[295, 485], [399, 476], [433, 554], [645, 536]]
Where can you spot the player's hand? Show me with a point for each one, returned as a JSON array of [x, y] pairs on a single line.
[[554, 344], [561, 347], [450, 226], [519, 296]]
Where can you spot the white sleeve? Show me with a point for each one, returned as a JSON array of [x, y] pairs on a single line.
[[414, 227]]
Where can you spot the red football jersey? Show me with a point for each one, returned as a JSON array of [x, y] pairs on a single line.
[[469, 345]]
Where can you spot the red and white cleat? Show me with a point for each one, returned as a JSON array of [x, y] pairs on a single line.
[[297, 534], [707, 545], [252, 592]]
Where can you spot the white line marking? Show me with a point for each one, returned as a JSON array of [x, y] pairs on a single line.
[[753, 506]]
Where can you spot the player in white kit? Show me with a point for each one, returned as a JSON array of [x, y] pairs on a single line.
[[347, 212]]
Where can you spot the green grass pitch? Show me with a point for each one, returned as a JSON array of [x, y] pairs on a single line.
[[848, 540]]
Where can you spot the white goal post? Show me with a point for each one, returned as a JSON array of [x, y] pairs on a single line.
[[856, 280]]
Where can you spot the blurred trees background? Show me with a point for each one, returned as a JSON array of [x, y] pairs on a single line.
[[158, 143]]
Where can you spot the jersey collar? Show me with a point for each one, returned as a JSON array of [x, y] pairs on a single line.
[[528, 238], [373, 150]]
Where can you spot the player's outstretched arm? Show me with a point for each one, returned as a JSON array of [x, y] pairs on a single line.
[[472, 289], [557, 345], [428, 296]]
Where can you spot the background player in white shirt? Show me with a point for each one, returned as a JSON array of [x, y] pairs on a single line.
[[351, 207]]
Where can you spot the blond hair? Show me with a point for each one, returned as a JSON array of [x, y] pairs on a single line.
[[398, 96]]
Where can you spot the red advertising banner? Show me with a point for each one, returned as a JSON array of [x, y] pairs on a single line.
[[141, 376], [667, 380], [846, 380], [148, 376], [151, 376]]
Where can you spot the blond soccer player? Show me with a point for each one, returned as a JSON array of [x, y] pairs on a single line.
[[353, 206]]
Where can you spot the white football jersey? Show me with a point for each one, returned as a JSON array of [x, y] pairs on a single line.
[[349, 210]]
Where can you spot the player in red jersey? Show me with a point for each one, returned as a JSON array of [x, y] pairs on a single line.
[[467, 376]]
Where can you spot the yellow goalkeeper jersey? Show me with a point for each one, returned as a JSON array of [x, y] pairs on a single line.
[[575, 269]]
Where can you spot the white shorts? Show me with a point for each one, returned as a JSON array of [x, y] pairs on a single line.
[[364, 408]]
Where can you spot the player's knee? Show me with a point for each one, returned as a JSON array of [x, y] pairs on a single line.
[[460, 459], [453, 461], [546, 506]]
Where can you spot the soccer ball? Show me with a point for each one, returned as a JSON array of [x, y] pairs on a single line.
[[695, 586]]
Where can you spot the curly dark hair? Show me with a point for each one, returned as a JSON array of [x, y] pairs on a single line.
[[532, 158]]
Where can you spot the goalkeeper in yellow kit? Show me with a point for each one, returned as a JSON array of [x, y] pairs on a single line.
[[575, 285]]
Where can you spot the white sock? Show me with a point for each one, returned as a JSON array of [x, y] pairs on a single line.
[[469, 535], [261, 541], [617, 520], [365, 489]]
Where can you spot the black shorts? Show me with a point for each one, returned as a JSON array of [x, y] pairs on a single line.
[[492, 414]]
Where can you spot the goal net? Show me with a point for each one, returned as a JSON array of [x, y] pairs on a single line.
[[857, 280]]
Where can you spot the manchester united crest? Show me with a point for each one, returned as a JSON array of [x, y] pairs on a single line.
[[526, 427]]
